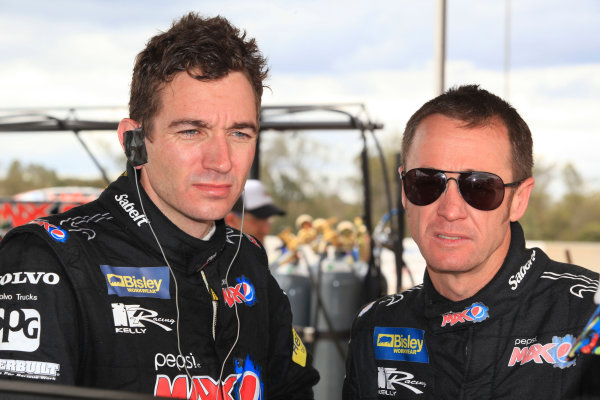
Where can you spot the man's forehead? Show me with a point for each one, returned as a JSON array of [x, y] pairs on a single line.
[[444, 143]]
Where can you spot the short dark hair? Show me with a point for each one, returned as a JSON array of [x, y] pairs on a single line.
[[210, 46], [477, 107]]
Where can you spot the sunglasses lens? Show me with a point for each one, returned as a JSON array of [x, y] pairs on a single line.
[[423, 186], [482, 190]]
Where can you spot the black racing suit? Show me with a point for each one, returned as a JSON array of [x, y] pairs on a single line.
[[508, 341], [87, 299]]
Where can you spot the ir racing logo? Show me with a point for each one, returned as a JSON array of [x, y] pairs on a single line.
[[390, 379], [477, 312], [130, 318]]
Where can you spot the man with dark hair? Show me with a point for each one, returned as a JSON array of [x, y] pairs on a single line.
[[492, 319], [146, 289]]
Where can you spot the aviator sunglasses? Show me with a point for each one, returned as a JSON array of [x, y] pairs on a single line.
[[481, 190]]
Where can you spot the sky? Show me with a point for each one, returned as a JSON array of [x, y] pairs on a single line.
[[79, 55]]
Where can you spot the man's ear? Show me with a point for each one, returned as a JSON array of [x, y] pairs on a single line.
[[126, 124], [400, 169], [520, 199]]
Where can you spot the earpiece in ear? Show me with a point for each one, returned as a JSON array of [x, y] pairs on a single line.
[[135, 147]]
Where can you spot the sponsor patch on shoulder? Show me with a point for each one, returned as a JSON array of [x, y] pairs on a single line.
[[299, 355], [400, 344], [20, 329], [137, 281], [56, 233]]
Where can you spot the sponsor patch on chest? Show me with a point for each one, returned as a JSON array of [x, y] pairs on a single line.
[[137, 281], [400, 344], [477, 312]]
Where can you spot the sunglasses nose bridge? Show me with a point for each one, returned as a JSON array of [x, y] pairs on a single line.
[[451, 178]]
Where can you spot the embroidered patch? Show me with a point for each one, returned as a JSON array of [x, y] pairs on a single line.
[[400, 344]]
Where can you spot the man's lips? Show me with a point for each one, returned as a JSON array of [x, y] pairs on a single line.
[[215, 189], [450, 236]]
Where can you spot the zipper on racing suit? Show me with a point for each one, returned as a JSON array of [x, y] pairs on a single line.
[[215, 303]]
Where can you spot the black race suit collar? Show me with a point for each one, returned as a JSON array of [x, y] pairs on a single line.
[[515, 278]]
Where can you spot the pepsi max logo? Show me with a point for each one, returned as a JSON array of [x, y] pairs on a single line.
[[55, 232], [477, 312], [243, 292], [554, 353]]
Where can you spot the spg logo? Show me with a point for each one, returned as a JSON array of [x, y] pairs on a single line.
[[19, 329]]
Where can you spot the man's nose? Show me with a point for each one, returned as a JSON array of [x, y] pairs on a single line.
[[451, 205], [217, 154]]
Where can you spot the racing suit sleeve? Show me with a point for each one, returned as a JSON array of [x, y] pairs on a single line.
[[39, 339], [292, 375], [349, 390], [360, 381]]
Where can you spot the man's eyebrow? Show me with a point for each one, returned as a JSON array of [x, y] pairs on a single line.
[[245, 125], [192, 122], [203, 124]]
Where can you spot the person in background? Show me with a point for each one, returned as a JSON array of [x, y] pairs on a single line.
[[146, 289], [492, 319], [257, 206]]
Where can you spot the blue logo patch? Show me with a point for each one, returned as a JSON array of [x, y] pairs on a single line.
[[137, 282], [400, 344], [56, 233]]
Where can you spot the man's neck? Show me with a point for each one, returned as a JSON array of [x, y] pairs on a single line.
[[460, 285]]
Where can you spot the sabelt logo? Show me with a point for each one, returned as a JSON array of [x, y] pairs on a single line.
[[515, 279], [129, 208], [137, 281]]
